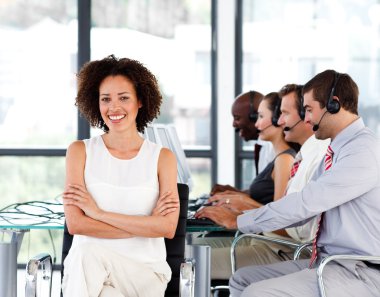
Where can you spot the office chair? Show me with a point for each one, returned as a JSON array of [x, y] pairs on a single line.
[[298, 247], [325, 261], [35, 284], [175, 250]]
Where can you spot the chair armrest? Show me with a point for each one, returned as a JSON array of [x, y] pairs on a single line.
[[328, 259], [301, 247], [215, 290], [43, 260], [297, 246], [187, 278]]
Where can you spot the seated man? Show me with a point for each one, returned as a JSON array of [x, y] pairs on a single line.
[[256, 252], [244, 113], [344, 191]]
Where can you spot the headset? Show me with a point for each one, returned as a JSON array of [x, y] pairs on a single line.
[[301, 108], [276, 111], [333, 105], [252, 113]]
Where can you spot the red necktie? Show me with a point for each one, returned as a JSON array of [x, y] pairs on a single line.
[[294, 169], [314, 253]]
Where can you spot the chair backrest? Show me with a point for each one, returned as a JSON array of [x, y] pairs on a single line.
[[66, 245], [175, 247]]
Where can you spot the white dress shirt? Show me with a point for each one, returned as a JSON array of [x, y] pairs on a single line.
[[348, 194], [312, 153]]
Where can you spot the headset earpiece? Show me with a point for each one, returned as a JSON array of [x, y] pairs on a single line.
[[333, 105], [301, 109], [276, 112], [252, 113]]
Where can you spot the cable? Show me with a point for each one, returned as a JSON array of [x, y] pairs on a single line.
[[29, 238], [52, 244], [43, 211]]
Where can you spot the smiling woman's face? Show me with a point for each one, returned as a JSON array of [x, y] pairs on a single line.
[[118, 102]]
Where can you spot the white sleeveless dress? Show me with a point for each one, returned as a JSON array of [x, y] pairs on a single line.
[[128, 187]]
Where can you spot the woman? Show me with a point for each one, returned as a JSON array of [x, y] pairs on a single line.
[[271, 183], [121, 196]]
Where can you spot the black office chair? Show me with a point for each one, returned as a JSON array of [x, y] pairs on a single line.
[[175, 250]]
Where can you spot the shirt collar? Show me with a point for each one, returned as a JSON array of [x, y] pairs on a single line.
[[346, 134], [308, 145], [311, 144]]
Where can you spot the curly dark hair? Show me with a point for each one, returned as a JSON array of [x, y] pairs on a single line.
[[145, 83]]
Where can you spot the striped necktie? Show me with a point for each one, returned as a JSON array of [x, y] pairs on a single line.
[[314, 253], [296, 164], [293, 171]]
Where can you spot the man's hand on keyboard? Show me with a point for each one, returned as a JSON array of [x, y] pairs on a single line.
[[237, 201], [220, 215]]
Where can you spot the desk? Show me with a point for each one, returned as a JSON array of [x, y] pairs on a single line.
[[20, 218], [15, 220], [202, 229]]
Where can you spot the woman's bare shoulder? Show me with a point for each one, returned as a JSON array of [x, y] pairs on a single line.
[[76, 147]]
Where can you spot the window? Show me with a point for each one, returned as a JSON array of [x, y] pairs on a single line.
[[173, 39], [291, 41], [38, 66], [38, 44], [37, 113]]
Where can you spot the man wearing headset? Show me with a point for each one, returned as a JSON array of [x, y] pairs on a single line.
[[308, 158], [244, 113], [344, 191]]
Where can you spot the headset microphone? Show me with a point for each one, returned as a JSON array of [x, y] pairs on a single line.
[[290, 128], [237, 130], [316, 126], [259, 131]]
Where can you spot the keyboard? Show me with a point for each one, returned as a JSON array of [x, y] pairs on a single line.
[[200, 222], [194, 205]]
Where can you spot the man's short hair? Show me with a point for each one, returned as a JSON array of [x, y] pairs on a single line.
[[346, 89], [290, 88]]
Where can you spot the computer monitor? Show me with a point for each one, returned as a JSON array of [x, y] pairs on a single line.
[[149, 134], [166, 135], [180, 153], [163, 136]]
